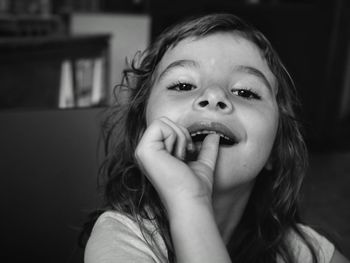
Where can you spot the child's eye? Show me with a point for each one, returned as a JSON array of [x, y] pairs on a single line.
[[182, 86], [246, 94]]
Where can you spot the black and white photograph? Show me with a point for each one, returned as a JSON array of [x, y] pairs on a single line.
[[175, 131]]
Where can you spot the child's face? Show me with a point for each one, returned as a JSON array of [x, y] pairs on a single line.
[[221, 78]]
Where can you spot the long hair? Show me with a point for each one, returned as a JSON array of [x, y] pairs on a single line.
[[272, 209]]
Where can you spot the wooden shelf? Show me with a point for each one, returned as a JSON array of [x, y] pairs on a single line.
[[31, 68]]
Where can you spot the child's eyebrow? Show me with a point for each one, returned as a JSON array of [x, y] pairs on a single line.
[[178, 63], [254, 71]]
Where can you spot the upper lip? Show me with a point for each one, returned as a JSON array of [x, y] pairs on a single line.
[[212, 126]]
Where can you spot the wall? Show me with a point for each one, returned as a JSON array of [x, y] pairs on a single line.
[[130, 33]]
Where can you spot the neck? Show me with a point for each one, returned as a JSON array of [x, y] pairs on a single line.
[[229, 207]]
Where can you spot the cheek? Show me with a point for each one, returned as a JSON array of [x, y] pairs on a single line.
[[157, 109], [152, 109], [149, 114], [262, 129], [166, 106]]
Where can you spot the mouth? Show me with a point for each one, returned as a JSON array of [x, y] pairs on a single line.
[[199, 131], [199, 136]]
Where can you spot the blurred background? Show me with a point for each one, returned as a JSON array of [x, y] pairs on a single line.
[[59, 62]]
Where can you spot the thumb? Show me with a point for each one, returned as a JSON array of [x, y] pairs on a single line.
[[209, 151]]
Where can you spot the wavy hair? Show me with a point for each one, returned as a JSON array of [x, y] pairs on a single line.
[[272, 210]]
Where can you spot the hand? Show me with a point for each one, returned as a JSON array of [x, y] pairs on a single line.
[[161, 153]]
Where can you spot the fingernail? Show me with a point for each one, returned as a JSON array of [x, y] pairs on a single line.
[[190, 147], [183, 155]]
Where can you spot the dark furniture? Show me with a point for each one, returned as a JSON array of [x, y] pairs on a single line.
[[48, 164], [31, 67]]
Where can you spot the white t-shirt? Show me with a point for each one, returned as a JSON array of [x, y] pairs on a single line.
[[118, 238]]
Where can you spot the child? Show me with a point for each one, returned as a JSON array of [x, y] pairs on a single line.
[[205, 161]]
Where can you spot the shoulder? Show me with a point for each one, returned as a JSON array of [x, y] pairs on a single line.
[[339, 258], [118, 238], [323, 248]]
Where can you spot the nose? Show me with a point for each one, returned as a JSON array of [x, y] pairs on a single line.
[[215, 99]]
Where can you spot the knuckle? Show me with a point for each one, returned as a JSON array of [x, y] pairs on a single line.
[[160, 121]]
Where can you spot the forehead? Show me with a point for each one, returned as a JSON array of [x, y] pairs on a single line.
[[217, 50]]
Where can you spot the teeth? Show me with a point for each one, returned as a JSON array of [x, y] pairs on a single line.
[[209, 132], [202, 132]]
